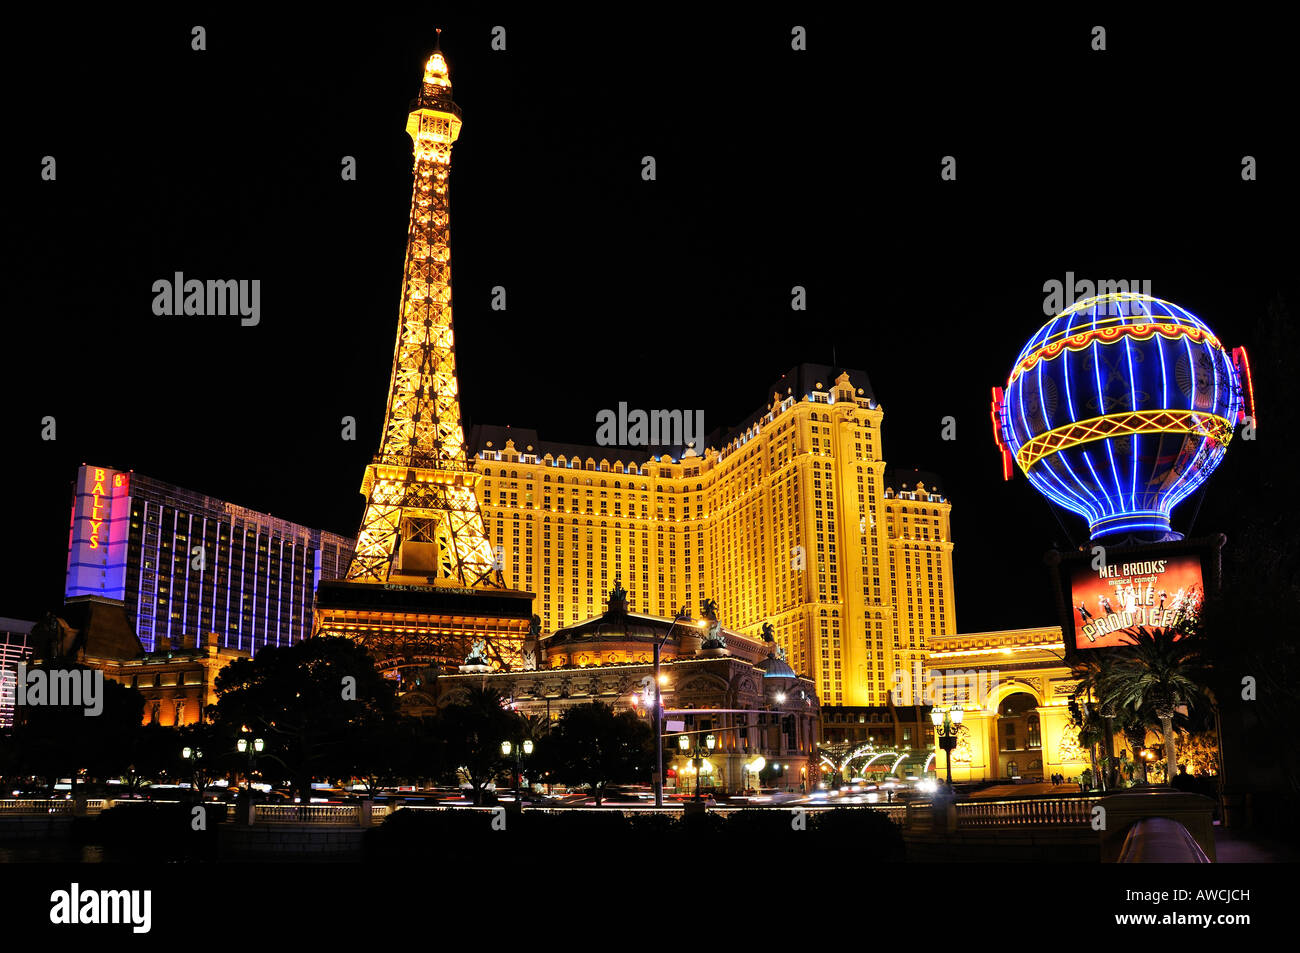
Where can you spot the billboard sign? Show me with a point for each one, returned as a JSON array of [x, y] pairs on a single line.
[[1111, 601], [97, 543]]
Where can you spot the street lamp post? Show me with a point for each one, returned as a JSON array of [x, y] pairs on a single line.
[[251, 747], [193, 756], [506, 749], [697, 757], [658, 775], [945, 722], [1146, 756]]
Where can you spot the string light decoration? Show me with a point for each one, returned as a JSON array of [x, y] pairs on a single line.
[[1119, 408]]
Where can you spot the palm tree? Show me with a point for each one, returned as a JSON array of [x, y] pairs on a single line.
[[1097, 724], [1092, 731], [1157, 673]]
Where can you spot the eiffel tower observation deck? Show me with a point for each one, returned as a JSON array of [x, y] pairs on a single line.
[[424, 584]]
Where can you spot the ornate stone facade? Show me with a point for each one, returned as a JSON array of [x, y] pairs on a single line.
[[751, 702], [1008, 664]]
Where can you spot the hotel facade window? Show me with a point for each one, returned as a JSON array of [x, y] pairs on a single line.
[[819, 539], [184, 564]]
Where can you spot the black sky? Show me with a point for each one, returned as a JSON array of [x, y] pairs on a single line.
[[775, 168]]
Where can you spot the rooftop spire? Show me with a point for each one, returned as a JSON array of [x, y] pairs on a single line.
[[436, 72]]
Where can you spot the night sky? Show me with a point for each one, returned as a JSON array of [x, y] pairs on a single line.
[[775, 168]]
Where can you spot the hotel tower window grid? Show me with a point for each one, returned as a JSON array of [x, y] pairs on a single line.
[[191, 564], [804, 481], [15, 649]]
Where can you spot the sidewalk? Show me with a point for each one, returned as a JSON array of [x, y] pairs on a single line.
[[1235, 847]]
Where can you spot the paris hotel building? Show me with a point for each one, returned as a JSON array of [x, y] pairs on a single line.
[[790, 518]]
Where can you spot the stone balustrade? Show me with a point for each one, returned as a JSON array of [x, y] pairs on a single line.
[[1052, 811]]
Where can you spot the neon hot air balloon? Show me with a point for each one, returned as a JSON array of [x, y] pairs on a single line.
[[1119, 408]]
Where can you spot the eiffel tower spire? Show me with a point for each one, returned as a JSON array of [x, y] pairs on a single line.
[[422, 522], [423, 587]]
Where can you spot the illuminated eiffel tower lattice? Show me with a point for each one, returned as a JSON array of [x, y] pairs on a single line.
[[424, 583]]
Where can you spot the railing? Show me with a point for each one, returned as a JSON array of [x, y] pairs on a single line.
[[36, 806], [895, 812], [340, 814], [1051, 811], [305, 814]]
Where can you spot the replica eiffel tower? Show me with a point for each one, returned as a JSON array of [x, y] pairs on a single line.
[[424, 584]]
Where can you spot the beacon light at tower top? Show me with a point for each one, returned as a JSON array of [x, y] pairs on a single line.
[[1119, 408]]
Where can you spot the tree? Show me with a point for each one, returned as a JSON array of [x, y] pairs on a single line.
[[426, 756], [1092, 732], [153, 754], [532, 728], [470, 735], [54, 741], [378, 751], [212, 754], [1157, 673], [1096, 718], [592, 745], [305, 700]]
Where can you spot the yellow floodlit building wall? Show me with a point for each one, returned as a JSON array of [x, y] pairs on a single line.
[[789, 523], [980, 671], [920, 573]]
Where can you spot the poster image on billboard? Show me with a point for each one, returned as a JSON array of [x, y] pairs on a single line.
[[1112, 602]]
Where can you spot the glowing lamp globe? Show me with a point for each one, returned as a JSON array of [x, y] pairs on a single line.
[[1119, 408]]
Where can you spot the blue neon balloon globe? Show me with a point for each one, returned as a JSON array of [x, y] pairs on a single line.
[[1118, 409]]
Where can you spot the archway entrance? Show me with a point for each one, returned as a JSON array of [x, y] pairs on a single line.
[[1019, 737]]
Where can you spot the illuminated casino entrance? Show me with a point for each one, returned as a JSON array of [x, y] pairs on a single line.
[[1018, 726], [1020, 737]]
